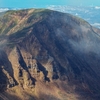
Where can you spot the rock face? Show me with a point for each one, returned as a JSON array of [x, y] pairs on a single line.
[[41, 49], [7, 79]]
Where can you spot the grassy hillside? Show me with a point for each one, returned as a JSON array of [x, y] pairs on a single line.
[[13, 20]]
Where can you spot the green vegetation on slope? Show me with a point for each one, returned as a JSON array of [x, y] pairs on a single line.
[[13, 20]]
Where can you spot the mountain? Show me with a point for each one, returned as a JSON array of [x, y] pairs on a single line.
[[45, 54]]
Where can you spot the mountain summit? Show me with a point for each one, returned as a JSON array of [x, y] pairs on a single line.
[[48, 54]]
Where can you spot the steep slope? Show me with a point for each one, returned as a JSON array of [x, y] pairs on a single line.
[[48, 54]]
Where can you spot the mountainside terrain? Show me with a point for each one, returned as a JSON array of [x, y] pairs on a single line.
[[48, 54], [89, 13]]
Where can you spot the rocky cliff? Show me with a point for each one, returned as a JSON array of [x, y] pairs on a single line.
[[48, 54]]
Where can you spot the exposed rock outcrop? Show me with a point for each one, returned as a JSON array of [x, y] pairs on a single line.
[[7, 78]]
